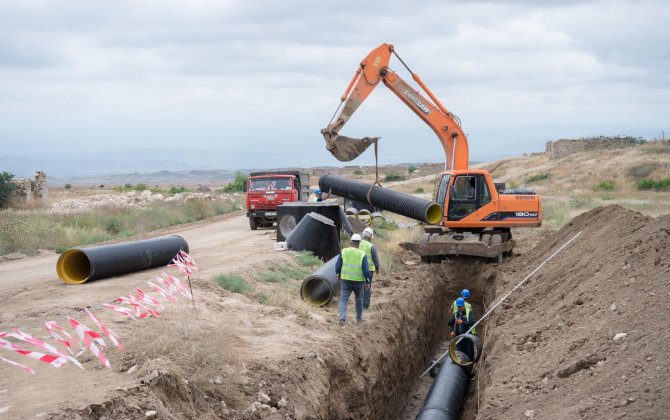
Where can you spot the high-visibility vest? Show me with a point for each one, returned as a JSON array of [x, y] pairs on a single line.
[[352, 264], [367, 247], [468, 307]]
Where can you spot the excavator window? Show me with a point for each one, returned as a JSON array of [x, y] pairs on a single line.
[[463, 200], [441, 195]]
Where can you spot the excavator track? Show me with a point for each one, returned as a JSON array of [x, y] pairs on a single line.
[[436, 244]]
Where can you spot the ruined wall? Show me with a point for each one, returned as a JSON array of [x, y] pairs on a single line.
[[32, 188], [564, 147]]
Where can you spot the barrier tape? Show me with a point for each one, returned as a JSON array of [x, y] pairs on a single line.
[[171, 288], [109, 333], [181, 266], [55, 361], [51, 326], [164, 293], [19, 365], [43, 345], [149, 300], [81, 332], [130, 299], [181, 287], [188, 260], [119, 309]]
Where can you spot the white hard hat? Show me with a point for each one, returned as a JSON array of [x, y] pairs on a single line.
[[368, 232], [356, 237]]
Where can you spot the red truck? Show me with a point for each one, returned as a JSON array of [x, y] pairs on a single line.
[[268, 190]]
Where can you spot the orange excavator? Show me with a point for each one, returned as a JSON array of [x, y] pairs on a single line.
[[478, 213]]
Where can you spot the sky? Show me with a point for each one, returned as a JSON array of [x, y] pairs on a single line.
[[249, 84]]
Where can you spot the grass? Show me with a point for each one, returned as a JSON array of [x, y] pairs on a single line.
[[358, 172], [641, 171], [419, 191], [605, 186], [652, 184], [27, 231], [538, 177], [307, 259], [233, 282], [390, 177]]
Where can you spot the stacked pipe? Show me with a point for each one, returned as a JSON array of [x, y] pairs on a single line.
[[321, 286], [396, 202], [79, 265]]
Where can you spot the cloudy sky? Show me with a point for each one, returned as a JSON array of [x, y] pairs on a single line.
[[241, 84]]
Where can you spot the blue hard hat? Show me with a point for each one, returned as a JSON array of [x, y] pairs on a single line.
[[317, 191], [460, 302], [465, 293]]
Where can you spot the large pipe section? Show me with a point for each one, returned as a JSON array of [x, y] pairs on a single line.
[[321, 286], [396, 202], [79, 265], [315, 233], [444, 398]]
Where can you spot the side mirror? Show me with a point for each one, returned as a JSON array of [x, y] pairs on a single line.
[[244, 186]]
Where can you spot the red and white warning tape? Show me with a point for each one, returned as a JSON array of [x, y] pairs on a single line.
[[52, 327], [119, 309], [19, 365], [81, 332], [53, 360], [109, 333], [147, 299], [179, 285], [166, 294]]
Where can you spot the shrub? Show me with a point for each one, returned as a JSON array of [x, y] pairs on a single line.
[[605, 186], [390, 177], [237, 184], [141, 186], [307, 259], [411, 169], [67, 186], [101, 186], [6, 187], [233, 282], [358, 172], [177, 190], [539, 177], [651, 184], [418, 190]]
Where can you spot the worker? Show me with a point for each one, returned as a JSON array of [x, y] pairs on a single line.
[[318, 196], [460, 323], [465, 294], [352, 271], [373, 262]]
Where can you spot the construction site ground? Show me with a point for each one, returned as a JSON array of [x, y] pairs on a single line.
[[553, 350]]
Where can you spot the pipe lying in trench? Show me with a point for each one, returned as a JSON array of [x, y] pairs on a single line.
[[321, 286], [446, 393], [79, 265], [396, 202]]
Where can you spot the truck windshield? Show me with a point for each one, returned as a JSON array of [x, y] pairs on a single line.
[[269, 184]]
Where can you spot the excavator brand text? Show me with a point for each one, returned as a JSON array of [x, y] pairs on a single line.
[[417, 102]]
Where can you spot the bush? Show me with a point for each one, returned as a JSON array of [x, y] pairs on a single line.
[[651, 184], [67, 186], [307, 259], [393, 177], [538, 177], [237, 184], [411, 169], [177, 190], [418, 191], [6, 187], [605, 186], [141, 187], [101, 186], [358, 172], [233, 282]]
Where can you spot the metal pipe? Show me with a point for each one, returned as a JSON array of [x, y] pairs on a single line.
[[79, 265], [396, 202], [444, 398], [321, 286]]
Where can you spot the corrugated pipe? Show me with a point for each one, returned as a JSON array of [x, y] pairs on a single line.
[[79, 265], [446, 394], [321, 286], [316, 233], [396, 202]]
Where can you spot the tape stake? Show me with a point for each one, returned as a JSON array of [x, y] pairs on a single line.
[[81, 332], [188, 260], [179, 285], [19, 365], [109, 333]]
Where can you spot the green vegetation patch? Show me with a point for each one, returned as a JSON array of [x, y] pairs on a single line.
[[237, 184], [605, 186], [233, 282], [390, 177], [538, 177], [358, 172], [419, 190], [6, 188], [307, 259], [652, 184]]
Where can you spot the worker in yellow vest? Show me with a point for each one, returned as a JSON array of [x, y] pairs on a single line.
[[465, 294], [373, 262], [352, 271], [463, 319]]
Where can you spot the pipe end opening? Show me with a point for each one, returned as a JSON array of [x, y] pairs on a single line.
[[316, 291], [434, 214], [73, 267]]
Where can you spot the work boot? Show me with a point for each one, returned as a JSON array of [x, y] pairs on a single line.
[[341, 322], [360, 321]]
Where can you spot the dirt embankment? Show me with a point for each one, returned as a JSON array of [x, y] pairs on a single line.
[[587, 337]]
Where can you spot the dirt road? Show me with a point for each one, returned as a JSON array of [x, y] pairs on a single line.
[[31, 293]]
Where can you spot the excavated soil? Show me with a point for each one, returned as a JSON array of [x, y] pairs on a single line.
[[553, 350]]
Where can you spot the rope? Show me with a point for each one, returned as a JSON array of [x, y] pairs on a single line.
[[376, 183], [503, 299]]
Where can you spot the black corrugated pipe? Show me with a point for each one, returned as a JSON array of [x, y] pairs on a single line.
[[396, 202], [322, 285], [315, 233], [79, 265], [446, 394], [345, 222]]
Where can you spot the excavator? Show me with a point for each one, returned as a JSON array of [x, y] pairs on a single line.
[[478, 214]]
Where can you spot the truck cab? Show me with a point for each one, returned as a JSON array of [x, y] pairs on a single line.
[[265, 191]]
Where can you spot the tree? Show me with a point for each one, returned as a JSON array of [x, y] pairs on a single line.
[[237, 184], [6, 188]]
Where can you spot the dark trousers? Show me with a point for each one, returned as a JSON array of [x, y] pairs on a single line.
[[367, 293], [347, 287]]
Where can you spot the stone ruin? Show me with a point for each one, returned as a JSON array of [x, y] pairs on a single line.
[[564, 147], [32, 188]]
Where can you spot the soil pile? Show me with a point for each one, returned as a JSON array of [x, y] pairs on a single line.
[[586, 337]]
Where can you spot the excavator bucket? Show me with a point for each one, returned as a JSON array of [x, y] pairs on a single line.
[[346, 148]]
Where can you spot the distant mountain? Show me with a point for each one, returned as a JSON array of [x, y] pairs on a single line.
[[150, 178]]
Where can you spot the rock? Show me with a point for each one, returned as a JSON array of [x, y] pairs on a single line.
[[282, 403], [131, 194], [619, 337], [157, 197], [613, 307], [263, 397], [145, 195], [217, 381], [150, 414], [132, 370], [530, 414]]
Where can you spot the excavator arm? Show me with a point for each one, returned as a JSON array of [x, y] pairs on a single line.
[[372, 70]]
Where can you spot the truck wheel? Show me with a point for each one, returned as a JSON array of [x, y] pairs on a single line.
[[253, 223]]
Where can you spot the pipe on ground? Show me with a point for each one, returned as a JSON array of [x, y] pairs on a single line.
[[79, 265], [446, 394], [315, 233], [321, 286], [396, 202]]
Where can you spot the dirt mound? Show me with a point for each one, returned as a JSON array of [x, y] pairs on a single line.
[[586, 337]]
